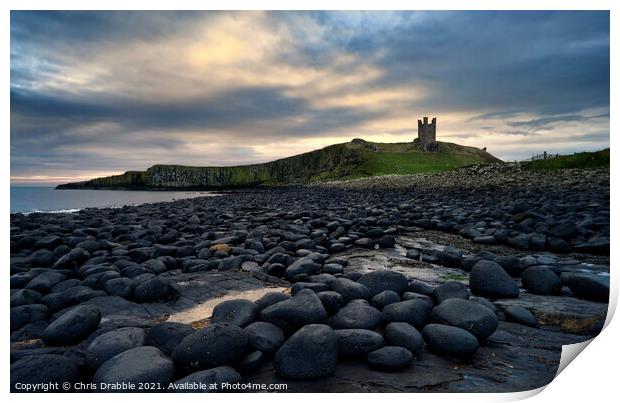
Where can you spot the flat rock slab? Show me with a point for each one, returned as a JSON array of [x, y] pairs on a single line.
[[569, 314]]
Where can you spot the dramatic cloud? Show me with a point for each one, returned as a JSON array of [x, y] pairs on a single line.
[[95, 93]]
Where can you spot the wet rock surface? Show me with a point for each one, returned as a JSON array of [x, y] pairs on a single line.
[[506, 265]]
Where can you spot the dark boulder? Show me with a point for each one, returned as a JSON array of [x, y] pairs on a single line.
[[390, 358], [403, 335], [356, 315], [420, 288], [413, 254], [122, 287], [559, 245], [251, 363], [73, 326], [206, 381], [42, 258], [384, 299], [167, 335], [264, 336], [43, 369], [271, 298], [510, 264], [213, 346], [144, 364], [521, 241], [451, 289], [379, 281], [471, 316], [358, 342], [44, 282], [316, 287], [25, 314], [415, 312], [302, 267], [489, 279], [565, 230], [450, 257], [240, 312], [449, 340], [24, 297], [107, 345], [387, 241], [350, 289], [588, 286], [518, 314], [303, 309], [153, 290], [332, 301], [312, 352], [541, 280]]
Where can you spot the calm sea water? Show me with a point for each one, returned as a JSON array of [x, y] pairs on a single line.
[[26, 199]]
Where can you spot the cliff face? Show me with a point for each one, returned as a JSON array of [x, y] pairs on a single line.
[[287, 171], [332, 162]]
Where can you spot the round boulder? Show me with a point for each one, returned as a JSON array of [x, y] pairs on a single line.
[[153, 290], [384, 299], [167, 335], [382, 280], [356, 315], [449, 340], [265, 336], [415, 312], [213, 346], [390, 358], [271, 298], [73, 326], [107, 345], [489, 279], [451, 289], [471, 316], [42, 369], [311, 352], [350, 289], [450, 257], [358, 342], [211, 379], [303, 309], [25, 314], [402, 334], [332, 301], [541, 280], [588, 286], [144, 364], [122, 287], [240, 312], [518, 314]]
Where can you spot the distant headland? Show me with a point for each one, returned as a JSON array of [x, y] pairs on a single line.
[[355, 159]]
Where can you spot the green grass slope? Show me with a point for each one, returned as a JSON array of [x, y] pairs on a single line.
[[578, 160], [355, 159]]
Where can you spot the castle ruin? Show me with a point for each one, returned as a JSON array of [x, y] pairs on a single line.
[[427, 134]]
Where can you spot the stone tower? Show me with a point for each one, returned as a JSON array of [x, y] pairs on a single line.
[[427, 133]]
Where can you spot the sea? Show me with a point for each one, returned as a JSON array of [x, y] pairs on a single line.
[[30, 199]]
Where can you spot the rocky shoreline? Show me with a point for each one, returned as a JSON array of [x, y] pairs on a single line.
[[469, 281]]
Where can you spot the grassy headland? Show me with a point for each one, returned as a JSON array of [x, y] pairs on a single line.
[[355, 159]]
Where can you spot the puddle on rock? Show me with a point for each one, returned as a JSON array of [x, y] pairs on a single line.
[[198, 314]]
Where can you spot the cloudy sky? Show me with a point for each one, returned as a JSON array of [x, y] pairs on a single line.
[[98, 93]]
